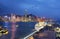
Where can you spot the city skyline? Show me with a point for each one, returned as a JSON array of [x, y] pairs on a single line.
[[47, 8]]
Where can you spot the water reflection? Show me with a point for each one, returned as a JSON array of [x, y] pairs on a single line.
[[21, 29]]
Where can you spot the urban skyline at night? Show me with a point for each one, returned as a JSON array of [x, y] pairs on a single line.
[[46, 8], [29, 19]]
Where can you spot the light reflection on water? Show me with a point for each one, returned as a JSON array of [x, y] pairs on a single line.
[[22, 30]]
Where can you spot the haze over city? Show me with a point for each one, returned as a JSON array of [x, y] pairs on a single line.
[[47, 8]]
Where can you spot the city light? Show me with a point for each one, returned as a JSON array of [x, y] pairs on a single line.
[[6, 16], [57, 29]]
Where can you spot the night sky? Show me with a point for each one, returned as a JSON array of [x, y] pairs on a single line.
[[47, 8]]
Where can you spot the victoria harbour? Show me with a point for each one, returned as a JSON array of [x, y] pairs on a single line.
[[19, 29], [29, 19]]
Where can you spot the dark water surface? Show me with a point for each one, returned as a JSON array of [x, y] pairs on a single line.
[[23, 29]]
